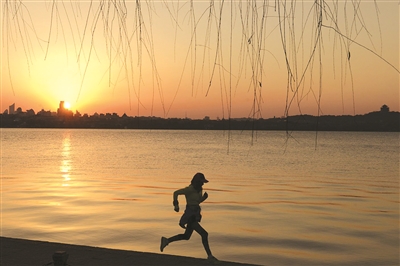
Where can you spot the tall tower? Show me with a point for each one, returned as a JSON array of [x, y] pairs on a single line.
[[61, 109], [11, 110]]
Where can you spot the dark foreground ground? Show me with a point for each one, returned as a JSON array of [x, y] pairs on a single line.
[[21, 252]]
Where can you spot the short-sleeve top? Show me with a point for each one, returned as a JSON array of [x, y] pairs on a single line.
[[192, 196]]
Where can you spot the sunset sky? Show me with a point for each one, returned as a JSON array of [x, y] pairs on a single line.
[[146, 60]]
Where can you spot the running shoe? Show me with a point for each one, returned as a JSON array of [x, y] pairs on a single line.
[[212, 260], [164, 243]]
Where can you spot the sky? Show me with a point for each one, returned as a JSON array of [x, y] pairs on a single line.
[[193, 59]]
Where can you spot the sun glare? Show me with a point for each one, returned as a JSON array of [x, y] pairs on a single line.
[[67, 105]]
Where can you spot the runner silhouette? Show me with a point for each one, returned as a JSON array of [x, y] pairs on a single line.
[[191, 218]]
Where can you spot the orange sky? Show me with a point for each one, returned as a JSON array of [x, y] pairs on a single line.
[[94, 62]]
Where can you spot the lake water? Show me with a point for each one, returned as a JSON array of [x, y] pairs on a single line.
[[308, 198]]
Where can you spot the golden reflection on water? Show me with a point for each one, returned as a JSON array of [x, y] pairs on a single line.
[[65, 167], [264, 214]]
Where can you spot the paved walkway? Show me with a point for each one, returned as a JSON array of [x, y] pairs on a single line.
[[21, 252]]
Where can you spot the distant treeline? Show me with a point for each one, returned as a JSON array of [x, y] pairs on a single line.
[[375, 121]]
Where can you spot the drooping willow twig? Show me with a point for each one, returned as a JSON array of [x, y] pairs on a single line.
[[127, 29]]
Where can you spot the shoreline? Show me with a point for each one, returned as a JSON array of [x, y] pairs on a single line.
[[16, 251], [378, 121]]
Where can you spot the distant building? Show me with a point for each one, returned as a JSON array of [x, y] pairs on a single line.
[[30, 112], [62, 111], [385, 109], [61, 108], [11, 109], [44, 113]]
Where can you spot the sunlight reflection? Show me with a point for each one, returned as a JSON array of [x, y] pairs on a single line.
[[65, 167]]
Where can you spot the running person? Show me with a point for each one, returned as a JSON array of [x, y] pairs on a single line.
[[191, 218]]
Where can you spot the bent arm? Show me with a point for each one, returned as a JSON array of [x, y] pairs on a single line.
[[204, 197], [176, 194]]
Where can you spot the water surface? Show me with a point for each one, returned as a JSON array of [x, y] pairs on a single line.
[[326, 198]]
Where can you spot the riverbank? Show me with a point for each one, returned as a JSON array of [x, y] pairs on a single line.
[[20, 252], [380, 121]]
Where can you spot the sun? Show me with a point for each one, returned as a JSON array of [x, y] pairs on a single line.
[[67, 105]]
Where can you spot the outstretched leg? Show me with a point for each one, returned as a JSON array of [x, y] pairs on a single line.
[[185, 236], [204, 236]]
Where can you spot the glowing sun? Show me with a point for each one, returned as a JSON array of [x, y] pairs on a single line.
[[67, 105]]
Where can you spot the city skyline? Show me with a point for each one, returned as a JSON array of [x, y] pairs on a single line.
[[63, 110]]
